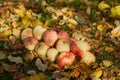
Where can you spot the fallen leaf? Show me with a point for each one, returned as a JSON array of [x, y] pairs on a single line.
[[17, 60], [88, 10], [109, 49], [115, 11], [2, 55], [116, 32], [97, 73], [40, 65], [107, 63], [78, 36], [7, 32], [1, 69], [25, 20], [29, 57], [103, 5], [20, 10], [71, 26], [31, 72], [40, 76], [64, 78], [9, 68], [3, 37], [100, 27]]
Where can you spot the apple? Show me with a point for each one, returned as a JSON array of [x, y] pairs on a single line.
[[38, 32], [63, 34], [41, 49], [30, 43], [27, 32], [50, 37], [79, 47], [83, 45], [63, 45], [75, 49], [88, 58], [52, 54], [65, 58]]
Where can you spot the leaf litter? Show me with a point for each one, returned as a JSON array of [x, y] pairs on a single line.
[[98, 24]]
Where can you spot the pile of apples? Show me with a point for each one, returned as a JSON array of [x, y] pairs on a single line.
[[56, 46]]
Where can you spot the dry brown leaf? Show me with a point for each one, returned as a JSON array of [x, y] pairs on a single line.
[[29, 57], [107, 63], [40, 65], [1, 69], [31, 72], [9, 68], [3, 37], [17, 60], [117, 54], [109, 49], [88, 10], [2, 55]]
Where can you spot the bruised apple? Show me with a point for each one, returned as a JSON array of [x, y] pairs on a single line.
[[65, 58], [27, 32], [38, 32], [41, 49], [63, 34], [30, 43], [79, 47], [63, 45], [88, 58], [50, 37], [52, 54]]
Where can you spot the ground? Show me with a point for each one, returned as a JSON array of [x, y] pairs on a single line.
[[94, 21]]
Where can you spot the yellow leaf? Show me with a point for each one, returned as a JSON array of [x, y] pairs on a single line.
[[97, 73], [71, 26], [40, 76], [115, 11], [25, 20], [20, 10], [109, 49], [29, 14], [8, 32], [36, 22], [6, 14], [103, 6], [100, 27], [21, 6], [47, 22]]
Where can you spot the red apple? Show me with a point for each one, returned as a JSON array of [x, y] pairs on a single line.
[[41, 49], [63, 45], [79, 47], [75, 49], [52, 54], [30, 43], [88, 58], [38, 32], [83, 45], [27, 32], [65, 58], [50, 37], [63, 34]]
